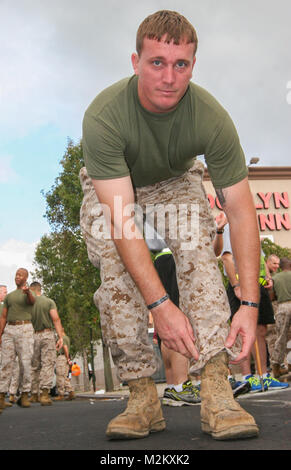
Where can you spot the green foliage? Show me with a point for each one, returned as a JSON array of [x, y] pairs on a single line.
[[61, 258], [270, 248]]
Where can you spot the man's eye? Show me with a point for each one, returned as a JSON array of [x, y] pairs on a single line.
[[181, 64], [157, 62]]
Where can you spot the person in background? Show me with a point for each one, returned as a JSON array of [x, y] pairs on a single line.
[[45, 319], [63, 365], [16, 334]]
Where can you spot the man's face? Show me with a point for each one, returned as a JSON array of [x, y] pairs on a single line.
[[3, 293], [164, 71], [20, 277], [273, 264]]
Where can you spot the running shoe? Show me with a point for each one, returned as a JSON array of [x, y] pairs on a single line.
[[239, 388], [189, 395], [274, 384], [255, 384]]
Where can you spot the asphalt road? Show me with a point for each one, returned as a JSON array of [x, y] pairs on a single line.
[[81, 425]]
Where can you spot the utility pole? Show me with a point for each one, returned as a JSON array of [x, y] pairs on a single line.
[[92, 360]]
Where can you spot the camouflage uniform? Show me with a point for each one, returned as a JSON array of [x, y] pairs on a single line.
[[124, 315], [16, 340], [63, 383], [15, 382], [43, 360], [283, 323]]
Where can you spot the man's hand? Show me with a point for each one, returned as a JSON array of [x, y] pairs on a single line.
[[174, 329], [59, 344], [221, 220], [244, 323]]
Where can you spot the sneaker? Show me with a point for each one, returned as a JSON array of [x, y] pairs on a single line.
[[239, 388], [274, 384], [255, 384], [189, 395]]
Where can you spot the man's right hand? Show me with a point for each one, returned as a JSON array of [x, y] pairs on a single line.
[[174, 329]]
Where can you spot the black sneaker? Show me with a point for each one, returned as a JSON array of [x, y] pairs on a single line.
[[239, 388], [189, 395]]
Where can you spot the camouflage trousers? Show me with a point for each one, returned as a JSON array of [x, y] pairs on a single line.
[[43, 360], [17, 340], [63, 382], [16, 379], [283, 324], [124, 315]]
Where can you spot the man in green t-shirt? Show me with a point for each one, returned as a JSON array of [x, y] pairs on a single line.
[[16, 335], [282, 290], [141, 137], [45, 318]]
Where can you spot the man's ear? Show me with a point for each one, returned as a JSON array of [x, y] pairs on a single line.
[[135, 62]]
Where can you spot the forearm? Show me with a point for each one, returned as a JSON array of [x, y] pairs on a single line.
[[229, 267], [244, 235], [30, 298], [218, 244], [58, 327]]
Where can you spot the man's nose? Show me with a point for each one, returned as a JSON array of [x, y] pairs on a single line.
[[169, 75]]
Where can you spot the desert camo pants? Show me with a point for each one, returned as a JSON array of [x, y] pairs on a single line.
[[63, 382], [283, 323], [43, 360], [16, 380], [124, 315], [17, 340]]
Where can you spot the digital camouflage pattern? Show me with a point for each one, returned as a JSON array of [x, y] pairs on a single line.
[[16, 340], [124, 315], [43, 360]]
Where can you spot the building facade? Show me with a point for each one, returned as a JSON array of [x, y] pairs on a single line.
[[271, 189]]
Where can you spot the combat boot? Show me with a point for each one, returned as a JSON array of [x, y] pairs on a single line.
[[71, 396], [12, 399], [276, 370], [23, 400], [221, 415], [44, 398], [34, 398], [2, 402], [59, 398], [142, 415]]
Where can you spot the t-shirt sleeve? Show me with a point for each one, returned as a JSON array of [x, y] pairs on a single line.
[[103, 149], [224, 156]]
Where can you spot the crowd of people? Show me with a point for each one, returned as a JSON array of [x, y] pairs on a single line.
[[273, 330], [34, 347]]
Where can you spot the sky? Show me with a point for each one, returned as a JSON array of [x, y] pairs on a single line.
[[57, 55]]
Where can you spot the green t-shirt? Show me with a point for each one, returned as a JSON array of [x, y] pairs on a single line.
[[66, 342], [17, 307], [41, 318], [121, 138], [1, 308], [282, 286]]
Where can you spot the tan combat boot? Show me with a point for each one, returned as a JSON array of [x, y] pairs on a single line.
[[142, 415], [23, 401], [71, 396], [59, 398], [45, 398], [34, 398], [2, 402], [221, 415], [12, 399], [276, 370]]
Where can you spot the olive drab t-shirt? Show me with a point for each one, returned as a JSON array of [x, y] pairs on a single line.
[[282, 286], [1, 308], [17, 307], [41, 318], [122, 138]]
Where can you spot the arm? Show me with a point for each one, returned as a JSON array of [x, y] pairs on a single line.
[[172, 325], [3, 320], [30, 299], [237, 202], [66, 351], [221, 221], [58, 326], [230, 270]]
